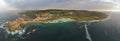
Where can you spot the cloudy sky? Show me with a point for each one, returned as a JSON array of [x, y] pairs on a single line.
[[101, 5]]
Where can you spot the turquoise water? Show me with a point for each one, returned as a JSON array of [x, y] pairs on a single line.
[[67, 31]]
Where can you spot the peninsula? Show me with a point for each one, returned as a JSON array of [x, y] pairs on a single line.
[[53, 14]]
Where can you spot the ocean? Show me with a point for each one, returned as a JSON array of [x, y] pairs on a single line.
[[66, 31]]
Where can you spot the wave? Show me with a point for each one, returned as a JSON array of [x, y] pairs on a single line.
[[20, 32]]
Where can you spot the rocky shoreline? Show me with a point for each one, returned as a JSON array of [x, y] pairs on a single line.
[[45, 17]]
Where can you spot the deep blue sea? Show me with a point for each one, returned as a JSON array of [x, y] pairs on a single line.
[[108, 30]]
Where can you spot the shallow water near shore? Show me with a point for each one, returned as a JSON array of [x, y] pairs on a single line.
[[67, 31]]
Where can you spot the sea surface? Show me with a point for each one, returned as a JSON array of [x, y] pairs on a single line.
[[108, 30]]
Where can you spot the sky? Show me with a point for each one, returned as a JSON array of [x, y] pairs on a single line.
[[98, 5]]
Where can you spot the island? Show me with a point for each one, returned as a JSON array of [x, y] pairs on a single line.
[[53, 14]]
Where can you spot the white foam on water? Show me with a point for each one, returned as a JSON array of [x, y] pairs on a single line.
[[86, 28], [87, 33], [33, 30], [20, 32], [62, 20]]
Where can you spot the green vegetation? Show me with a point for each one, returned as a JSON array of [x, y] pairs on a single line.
[[79, 15], [54, 14]]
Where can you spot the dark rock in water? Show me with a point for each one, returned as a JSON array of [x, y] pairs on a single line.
[[55, 14], [68, 31]]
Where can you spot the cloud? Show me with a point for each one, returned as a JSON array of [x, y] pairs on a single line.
[[115, 2], [5, 6], [80, 4], [19, 0], [13, 8], [64, 4]]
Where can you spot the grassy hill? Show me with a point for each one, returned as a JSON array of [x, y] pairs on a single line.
[[78, 15]]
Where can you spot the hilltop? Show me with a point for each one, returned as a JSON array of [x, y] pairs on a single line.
[[53, 14], [78, 15]]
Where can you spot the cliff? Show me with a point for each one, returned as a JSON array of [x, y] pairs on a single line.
[[54, 14]]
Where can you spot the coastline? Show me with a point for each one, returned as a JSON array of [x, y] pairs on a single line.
[[20, 32], [57, 17]]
